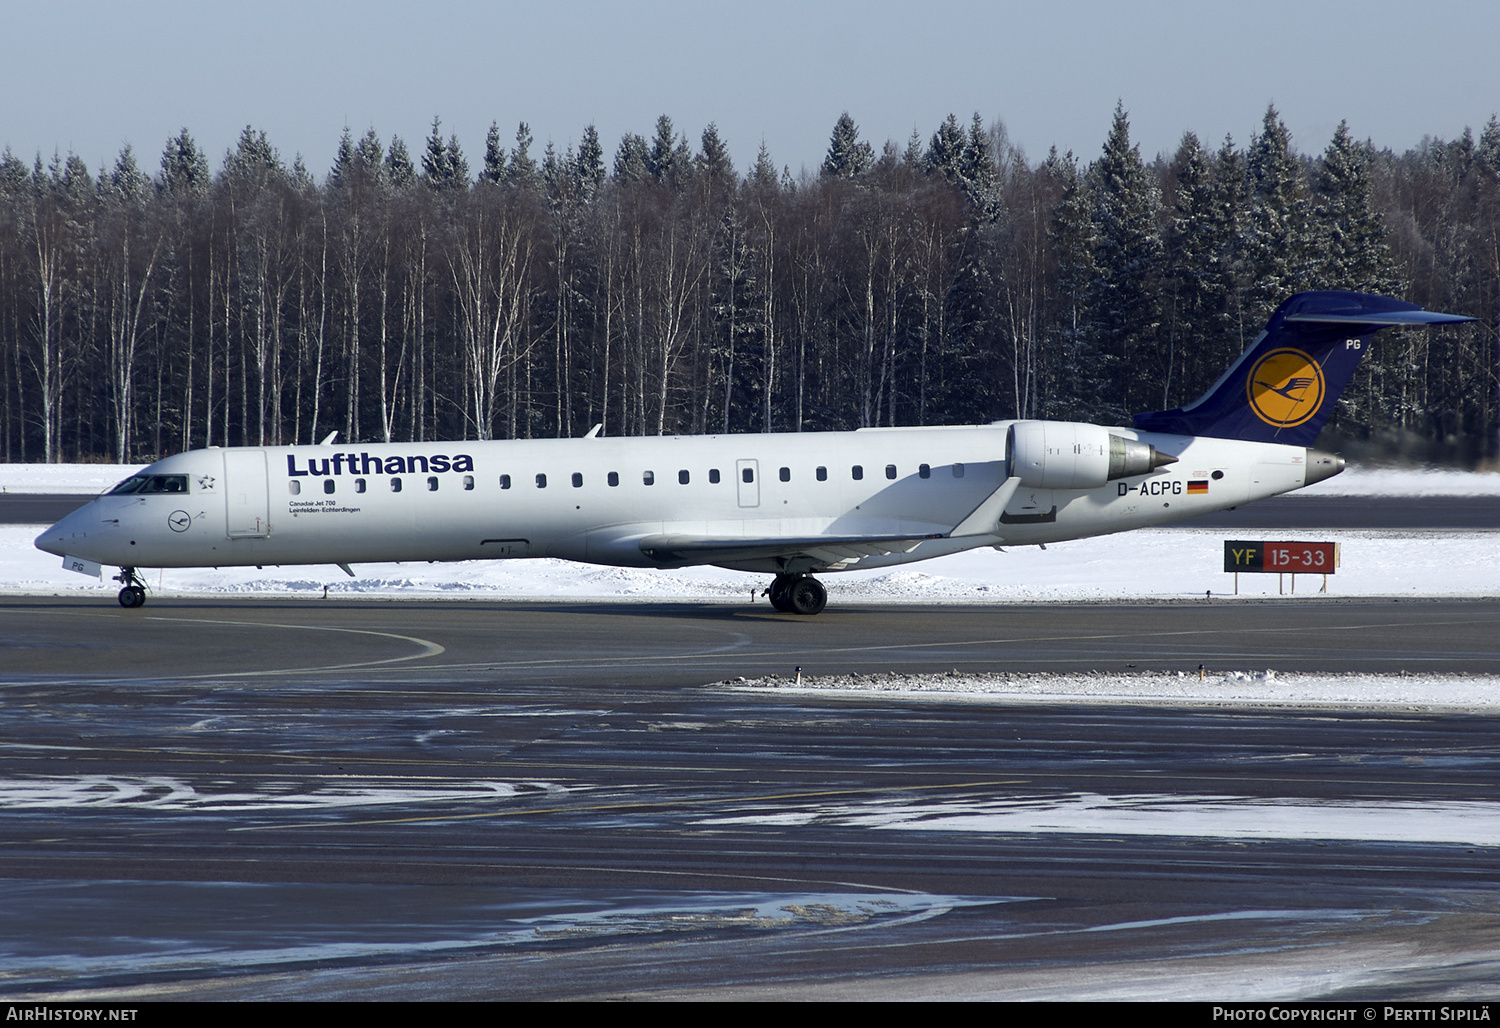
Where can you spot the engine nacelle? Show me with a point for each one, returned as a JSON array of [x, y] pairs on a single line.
[[1072, 455]]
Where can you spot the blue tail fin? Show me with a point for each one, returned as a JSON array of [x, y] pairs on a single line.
[[1283, 388]]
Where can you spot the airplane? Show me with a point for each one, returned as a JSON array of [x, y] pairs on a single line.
[[792, 505]]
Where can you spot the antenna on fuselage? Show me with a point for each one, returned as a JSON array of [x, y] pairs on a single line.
[[329, 438]]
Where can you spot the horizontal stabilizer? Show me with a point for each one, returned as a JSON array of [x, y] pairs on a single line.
[[1383, 319], [1284, 387]]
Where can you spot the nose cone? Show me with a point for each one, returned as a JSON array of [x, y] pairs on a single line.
[[82, 533], [51, 541]]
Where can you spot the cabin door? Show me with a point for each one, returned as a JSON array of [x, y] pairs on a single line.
[[246, 500]]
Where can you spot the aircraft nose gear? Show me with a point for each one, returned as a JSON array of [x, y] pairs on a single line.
[[798, 594], [134, 593]]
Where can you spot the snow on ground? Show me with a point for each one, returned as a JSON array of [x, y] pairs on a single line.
[[1466, 822], [1376, 481], [87, 479], [1215, 687], [1151, 565]]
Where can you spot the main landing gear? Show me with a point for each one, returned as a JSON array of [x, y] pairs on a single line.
[[134, 593], [797, 594]]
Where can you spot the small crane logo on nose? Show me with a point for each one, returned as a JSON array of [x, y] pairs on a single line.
[[179, 520]]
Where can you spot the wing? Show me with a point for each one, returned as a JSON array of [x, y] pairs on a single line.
[[819, 552]]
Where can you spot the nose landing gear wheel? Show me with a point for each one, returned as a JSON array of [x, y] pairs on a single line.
[[134, 593]]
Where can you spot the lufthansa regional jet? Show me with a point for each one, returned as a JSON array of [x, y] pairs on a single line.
[[789, 505]]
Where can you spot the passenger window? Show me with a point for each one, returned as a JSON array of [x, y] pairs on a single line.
[[682, 477], [713, 476], [958, 471], [613, 479], [294, 487], [468, 483], [648, 477], [359, 485], [890, 471], [504, 481], [395, 485], [822, 474], [786, 474], [749, 475], [577, 480], [541, 481], [858, 472], [328, 485], [924, 471], [432, 483]]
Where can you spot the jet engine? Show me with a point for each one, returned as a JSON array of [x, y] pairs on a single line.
[[1071, 455]]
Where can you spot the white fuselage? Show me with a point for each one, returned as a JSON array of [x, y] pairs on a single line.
[[596, 499]]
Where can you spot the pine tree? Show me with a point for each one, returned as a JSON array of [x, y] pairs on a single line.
[[945, 154], [763, 171], [1200, 332], [443, 164], [632, 159], [1072, 234], [1350, 245], [977, 172], [847, 155], [713, 159], [435, 167], [457, 164], [1489, 146], [184, 169], [368, 157], [342, 171], [253, 156], [1123, 310], [912, 155], [398, 167], [589, 165], [521, 171], [494, 157], [126, 181], [1277, 236], [669, 159]]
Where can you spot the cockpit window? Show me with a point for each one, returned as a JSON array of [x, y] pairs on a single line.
[[152, 484]]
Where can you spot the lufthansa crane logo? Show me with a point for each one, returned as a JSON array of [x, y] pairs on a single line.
[[1285, 388]]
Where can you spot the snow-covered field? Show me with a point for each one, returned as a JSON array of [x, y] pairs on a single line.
[[1153, 565]]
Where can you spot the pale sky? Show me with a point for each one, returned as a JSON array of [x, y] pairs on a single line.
[[92, 75]]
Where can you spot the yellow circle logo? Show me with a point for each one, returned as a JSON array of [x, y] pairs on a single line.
[[1285, 388]]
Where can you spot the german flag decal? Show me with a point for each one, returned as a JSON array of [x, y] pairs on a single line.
[[1197, 485]]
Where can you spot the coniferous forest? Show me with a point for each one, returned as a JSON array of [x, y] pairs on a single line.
[[948, 280]]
